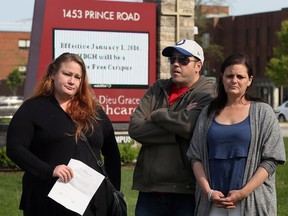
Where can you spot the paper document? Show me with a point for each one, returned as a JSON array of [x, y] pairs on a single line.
[[77, 193]]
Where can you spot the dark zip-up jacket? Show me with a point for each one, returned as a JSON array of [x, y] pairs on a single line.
[[165, 132]]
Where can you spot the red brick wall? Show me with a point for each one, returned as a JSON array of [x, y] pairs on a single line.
[[11, 56], [213, 9]]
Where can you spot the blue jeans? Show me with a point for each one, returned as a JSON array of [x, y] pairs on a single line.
[[165, 204]]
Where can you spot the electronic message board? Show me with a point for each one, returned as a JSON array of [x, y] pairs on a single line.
[[117, 41], [112, 60]]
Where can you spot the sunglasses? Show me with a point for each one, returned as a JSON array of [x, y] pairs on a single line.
[[183, 60]]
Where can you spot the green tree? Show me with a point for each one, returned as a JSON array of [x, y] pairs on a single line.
[[277, 67], [14, 80], [211, 49]]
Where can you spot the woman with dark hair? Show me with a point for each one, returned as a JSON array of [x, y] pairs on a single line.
[[236, 147], [44, 134]]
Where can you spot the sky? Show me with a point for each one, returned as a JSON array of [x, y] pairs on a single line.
[[16, 15]]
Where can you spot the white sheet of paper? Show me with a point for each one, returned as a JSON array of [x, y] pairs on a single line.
[[76, 194]]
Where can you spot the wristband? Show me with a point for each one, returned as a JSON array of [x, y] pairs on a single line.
[[210, 194]]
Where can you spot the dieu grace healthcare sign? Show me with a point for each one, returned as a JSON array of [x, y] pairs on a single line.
[[117, 41]]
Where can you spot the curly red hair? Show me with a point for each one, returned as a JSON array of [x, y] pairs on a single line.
[[83, 106]]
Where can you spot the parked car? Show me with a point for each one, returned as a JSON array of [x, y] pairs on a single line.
[[9, 105], [282, 112]]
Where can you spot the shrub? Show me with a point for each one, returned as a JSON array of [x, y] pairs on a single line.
[[128, 152], [5, 162]]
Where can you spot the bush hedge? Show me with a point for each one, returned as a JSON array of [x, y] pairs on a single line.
[[5, 162], [128, 152]]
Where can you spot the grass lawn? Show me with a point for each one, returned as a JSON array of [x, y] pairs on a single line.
[[282, 185], [10, 190]]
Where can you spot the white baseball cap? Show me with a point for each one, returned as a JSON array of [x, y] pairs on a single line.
[[187, 48]]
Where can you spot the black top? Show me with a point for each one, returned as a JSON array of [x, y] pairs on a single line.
[[41, 136]]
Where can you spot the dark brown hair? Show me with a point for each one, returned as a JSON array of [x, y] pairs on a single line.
[[220, 101]]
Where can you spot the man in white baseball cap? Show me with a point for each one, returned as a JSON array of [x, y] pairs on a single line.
[[163, 123], [186, 47]]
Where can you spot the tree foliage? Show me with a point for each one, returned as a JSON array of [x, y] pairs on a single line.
[[277, 67], [212, 50], [14, 80]]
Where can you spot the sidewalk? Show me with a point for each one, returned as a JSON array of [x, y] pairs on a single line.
[[284, 128]]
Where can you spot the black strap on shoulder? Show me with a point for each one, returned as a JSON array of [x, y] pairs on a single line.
[[98, 160]]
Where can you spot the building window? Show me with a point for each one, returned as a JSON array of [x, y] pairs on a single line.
[[257, 36], [205, 40], [24, 44], [269, 35], [22, 68], [247, 37], [258, 65]]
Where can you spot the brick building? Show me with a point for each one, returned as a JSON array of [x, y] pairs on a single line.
[[253, 34], [209, 11], [14, 51]]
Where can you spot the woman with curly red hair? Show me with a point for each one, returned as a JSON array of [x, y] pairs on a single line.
[[44, 134]]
